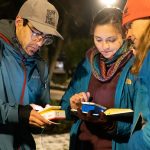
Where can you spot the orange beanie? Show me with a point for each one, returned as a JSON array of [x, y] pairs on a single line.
[[135, 10]]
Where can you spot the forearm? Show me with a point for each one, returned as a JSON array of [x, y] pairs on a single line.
[[24, 114]]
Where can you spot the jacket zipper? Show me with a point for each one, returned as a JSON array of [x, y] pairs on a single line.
[[24, 82]]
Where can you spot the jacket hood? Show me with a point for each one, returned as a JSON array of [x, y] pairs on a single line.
[[7, 28]]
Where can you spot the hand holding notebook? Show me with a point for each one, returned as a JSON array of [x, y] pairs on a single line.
[[53, 113]]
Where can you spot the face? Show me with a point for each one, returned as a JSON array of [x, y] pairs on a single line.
[[136, 29], [30, 39], [107, 39]]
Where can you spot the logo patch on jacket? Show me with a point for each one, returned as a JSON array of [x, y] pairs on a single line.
[[128, 81], [35, 77]]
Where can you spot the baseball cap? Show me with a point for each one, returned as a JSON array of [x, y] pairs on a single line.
[[135, 10], [42, 15]]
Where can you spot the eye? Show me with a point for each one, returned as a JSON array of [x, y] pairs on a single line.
[[36, 33], [48, 37], [111, 39], [98, 39]]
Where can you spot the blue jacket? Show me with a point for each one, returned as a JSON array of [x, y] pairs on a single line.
[[13, 69], [123, 99], [140, 137]]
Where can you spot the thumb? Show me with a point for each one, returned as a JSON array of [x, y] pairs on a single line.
[[88, 94]]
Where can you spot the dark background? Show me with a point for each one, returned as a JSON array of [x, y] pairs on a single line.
[[74, 25]]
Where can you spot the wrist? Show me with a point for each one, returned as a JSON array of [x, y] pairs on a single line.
[[24, 113]]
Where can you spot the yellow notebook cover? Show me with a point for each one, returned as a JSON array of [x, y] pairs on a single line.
[[53, 113]]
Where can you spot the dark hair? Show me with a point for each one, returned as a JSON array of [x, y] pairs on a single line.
[[109, 16]]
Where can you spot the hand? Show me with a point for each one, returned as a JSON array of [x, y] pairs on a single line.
[[36, 107], [47, 105], [75, 100], [36, 119], [101, 120]]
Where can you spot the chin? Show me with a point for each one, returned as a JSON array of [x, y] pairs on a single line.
[[29, 53], [108, 57]]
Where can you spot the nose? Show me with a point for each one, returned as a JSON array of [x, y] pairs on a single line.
[[105, 45]]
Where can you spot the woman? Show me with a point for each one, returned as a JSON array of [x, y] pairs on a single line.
[[136, 19], [104, 75]]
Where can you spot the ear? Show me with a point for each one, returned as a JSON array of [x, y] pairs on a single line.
[[19, 21]]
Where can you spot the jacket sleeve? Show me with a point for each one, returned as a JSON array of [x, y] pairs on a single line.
[[11, 112], [140, 137], [8, 111], [79, 83], [139, 141], [124, 98]]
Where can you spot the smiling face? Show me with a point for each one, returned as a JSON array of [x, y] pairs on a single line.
[[107, 39], [136, 29]]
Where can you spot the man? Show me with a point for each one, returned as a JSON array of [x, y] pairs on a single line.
[[23, 74]]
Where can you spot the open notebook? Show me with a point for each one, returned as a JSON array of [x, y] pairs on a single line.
[[90, 106], [53, 113]]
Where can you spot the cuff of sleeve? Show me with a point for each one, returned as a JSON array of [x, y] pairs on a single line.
[[111, 129], [24, 113]]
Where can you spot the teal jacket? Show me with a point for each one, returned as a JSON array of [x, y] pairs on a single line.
[[13, 69], [123, 99], [140, 137]]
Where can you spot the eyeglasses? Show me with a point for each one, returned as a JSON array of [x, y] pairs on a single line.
[[47, 39]]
